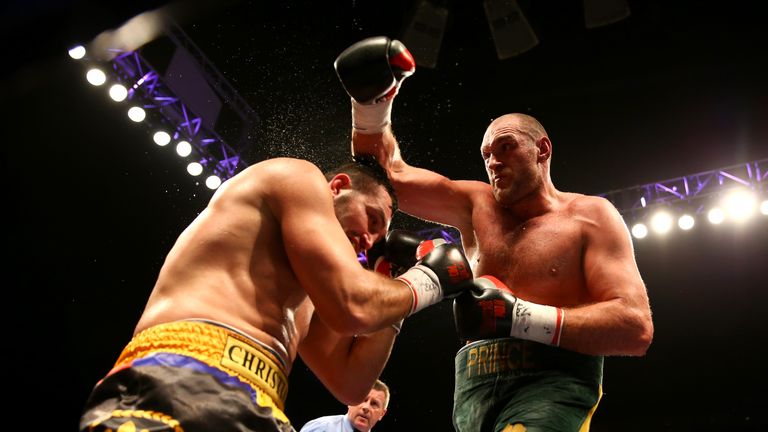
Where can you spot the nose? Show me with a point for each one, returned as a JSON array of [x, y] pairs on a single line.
[[493, 162], [366, 241]]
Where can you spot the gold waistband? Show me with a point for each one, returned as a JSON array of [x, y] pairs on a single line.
[[219, 347]]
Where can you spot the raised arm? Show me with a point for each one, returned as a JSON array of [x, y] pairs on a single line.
[[371, 72], [422, 193]]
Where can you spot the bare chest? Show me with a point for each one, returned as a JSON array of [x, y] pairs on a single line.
[[540, 259]]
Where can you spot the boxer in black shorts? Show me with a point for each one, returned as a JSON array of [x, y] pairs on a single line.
[[272, 262], [203, 375]]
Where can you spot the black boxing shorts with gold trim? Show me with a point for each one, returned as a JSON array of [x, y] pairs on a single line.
[[191, 376], [509, 384]]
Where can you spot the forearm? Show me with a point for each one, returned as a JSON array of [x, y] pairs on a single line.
[[364, 360], [383, 146], [607, 328], [347, 365], [372, 307], [611, 327]]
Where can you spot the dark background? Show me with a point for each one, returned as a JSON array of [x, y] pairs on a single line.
[[674, 89]]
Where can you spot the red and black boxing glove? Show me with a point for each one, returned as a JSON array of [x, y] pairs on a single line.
[[371, 71], [442, 272], [398, 252], [490, 310]]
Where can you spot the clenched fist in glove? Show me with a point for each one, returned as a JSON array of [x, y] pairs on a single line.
[[442, 271], [489, 310], [371, 72]]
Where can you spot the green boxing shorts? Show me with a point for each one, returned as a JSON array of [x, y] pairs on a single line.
[[512, 385]]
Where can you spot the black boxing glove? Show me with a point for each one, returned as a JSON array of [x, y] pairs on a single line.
[[371, 71], [401, 247], [443, 272], [395, 254], [489, 310]]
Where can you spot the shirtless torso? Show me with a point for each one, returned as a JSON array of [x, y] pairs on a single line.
[[265, 244], [539, 258], [230, 266]]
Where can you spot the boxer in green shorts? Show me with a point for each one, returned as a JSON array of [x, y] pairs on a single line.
[[568, 257], [514, 377]]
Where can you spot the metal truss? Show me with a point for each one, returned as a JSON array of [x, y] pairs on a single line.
[[216, 79], [165, 108], [691, 193]]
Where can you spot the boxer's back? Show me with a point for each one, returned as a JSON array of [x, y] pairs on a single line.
[[230, 266]]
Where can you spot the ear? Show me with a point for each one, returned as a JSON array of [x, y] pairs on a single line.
[[340, 181], [382, 413], [545, 148]]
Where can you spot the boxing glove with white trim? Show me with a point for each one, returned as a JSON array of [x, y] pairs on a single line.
[[489, 310], [442, 272], [371, 71]]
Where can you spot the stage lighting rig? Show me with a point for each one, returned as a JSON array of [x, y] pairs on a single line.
[[731, 194], [172, 88]]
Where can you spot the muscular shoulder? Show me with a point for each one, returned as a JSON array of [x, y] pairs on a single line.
[[294, 183], [599, 219], [284, 176], [270, 179], [593, 209], [283, 169], [589, 204], [476, 191]]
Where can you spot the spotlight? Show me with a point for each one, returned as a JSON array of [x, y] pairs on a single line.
[[183, 148], [764, 207], [686, 222], [639, 230], [137, 114], [77, 52], [118, 93], [96, 77], [213, 182], [661, 222], [716, 216], [161, 138], [740, 204], [194, 169]]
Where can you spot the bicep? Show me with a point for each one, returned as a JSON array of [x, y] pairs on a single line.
[[609, 263], [421, 193], [431, 196]]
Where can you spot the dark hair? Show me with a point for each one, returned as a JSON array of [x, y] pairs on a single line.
[[366, 174]]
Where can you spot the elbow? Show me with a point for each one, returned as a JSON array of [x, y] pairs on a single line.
[[351, 396], [642, 336], [347, 391]]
